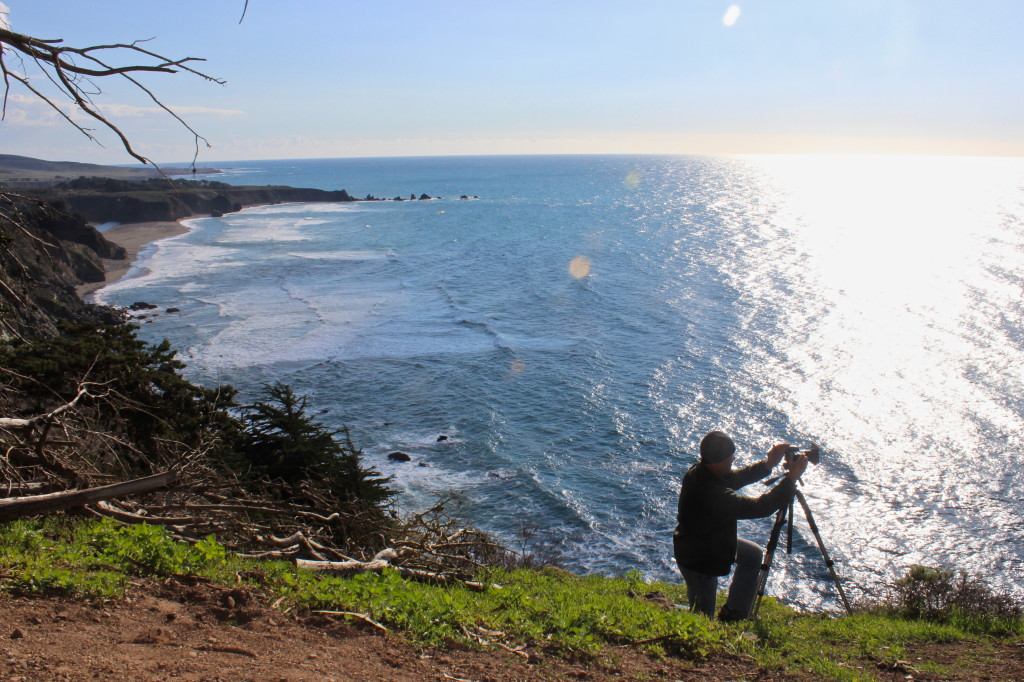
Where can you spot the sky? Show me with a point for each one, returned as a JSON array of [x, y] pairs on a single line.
[[331, 78]]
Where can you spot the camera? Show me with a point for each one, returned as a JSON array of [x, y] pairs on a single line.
[[812, 452]]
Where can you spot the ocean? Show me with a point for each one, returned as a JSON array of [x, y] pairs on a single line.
[[575, 329]]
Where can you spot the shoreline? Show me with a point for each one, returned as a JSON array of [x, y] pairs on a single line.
[[133, 237]]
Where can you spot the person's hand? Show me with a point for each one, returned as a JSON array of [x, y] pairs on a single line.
[[797, 465], [776, 454]]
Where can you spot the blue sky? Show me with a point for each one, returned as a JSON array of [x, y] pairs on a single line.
[[331, 79]]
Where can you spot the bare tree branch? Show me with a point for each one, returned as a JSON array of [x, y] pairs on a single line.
[[72, 70]]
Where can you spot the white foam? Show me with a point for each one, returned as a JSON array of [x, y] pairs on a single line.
[[170, 259], [341, 255], [273, 230], [275, 324], [299, 208]]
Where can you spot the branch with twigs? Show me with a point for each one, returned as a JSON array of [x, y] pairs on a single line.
[[73, 72]]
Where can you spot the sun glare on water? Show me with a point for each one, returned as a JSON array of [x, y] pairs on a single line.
[[887, 273]]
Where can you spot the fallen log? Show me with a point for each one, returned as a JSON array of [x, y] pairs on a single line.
[[19, 507]]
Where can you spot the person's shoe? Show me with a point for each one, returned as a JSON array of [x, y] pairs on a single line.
[[730, 615]]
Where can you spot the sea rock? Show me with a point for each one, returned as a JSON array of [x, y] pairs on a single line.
[[174, 310], [441, 438], [425, 197], [142, 305], [399, 457]]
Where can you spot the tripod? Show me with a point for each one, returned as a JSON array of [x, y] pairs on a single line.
[[785, 516]]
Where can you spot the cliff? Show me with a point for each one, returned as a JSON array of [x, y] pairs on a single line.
[[45, 252], [157, 200]]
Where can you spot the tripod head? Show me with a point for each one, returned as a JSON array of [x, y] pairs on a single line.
[[812, 453]]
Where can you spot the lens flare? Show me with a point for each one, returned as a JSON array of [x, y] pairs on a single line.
[[517, 366], [579, 267], [731, 15], [632, 180]]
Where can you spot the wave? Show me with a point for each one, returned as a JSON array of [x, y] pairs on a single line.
[[347, 255]]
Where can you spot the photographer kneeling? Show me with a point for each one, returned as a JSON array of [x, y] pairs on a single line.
[[705, 541]]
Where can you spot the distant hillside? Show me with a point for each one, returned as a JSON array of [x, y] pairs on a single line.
[[23, 171], [102, 200]]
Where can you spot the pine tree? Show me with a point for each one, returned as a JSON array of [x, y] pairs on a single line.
[[283, 442]]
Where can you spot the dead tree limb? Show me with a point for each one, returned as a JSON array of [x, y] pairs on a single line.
[[20, 507], [378, 565], [106, 509], [16, 423], [73, 71]]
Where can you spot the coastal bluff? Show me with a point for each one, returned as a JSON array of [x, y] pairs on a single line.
[[101, 200]]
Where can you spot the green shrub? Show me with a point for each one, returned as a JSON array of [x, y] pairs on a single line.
[[956, 597]]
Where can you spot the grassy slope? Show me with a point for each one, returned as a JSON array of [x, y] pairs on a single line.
[[550, 609]]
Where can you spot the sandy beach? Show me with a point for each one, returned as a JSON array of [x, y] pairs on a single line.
[[133, 237]]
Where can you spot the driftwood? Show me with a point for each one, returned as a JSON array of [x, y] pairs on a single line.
[[383, 561], [18, 507]]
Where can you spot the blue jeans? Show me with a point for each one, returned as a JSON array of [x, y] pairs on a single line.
[[702, 588]]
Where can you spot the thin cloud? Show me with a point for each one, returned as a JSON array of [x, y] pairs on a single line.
[[26, 110], [131, 111], [30, 111], [5, 16]]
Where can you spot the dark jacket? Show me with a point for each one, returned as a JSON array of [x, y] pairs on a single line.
[[705, 537]]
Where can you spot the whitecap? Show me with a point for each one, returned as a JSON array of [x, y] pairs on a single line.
[[340, 255]]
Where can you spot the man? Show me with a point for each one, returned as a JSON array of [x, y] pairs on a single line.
[[705, 541]]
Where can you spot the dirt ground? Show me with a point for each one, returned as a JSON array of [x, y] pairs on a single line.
[[183, 630]]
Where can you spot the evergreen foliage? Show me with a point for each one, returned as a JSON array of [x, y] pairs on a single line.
[[154, 402], [283, 442]]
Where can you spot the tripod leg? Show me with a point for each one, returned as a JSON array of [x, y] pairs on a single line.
[[769, 554], [824, 552], [789, 529]]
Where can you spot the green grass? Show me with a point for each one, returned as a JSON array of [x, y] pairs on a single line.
[[553, 610]]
